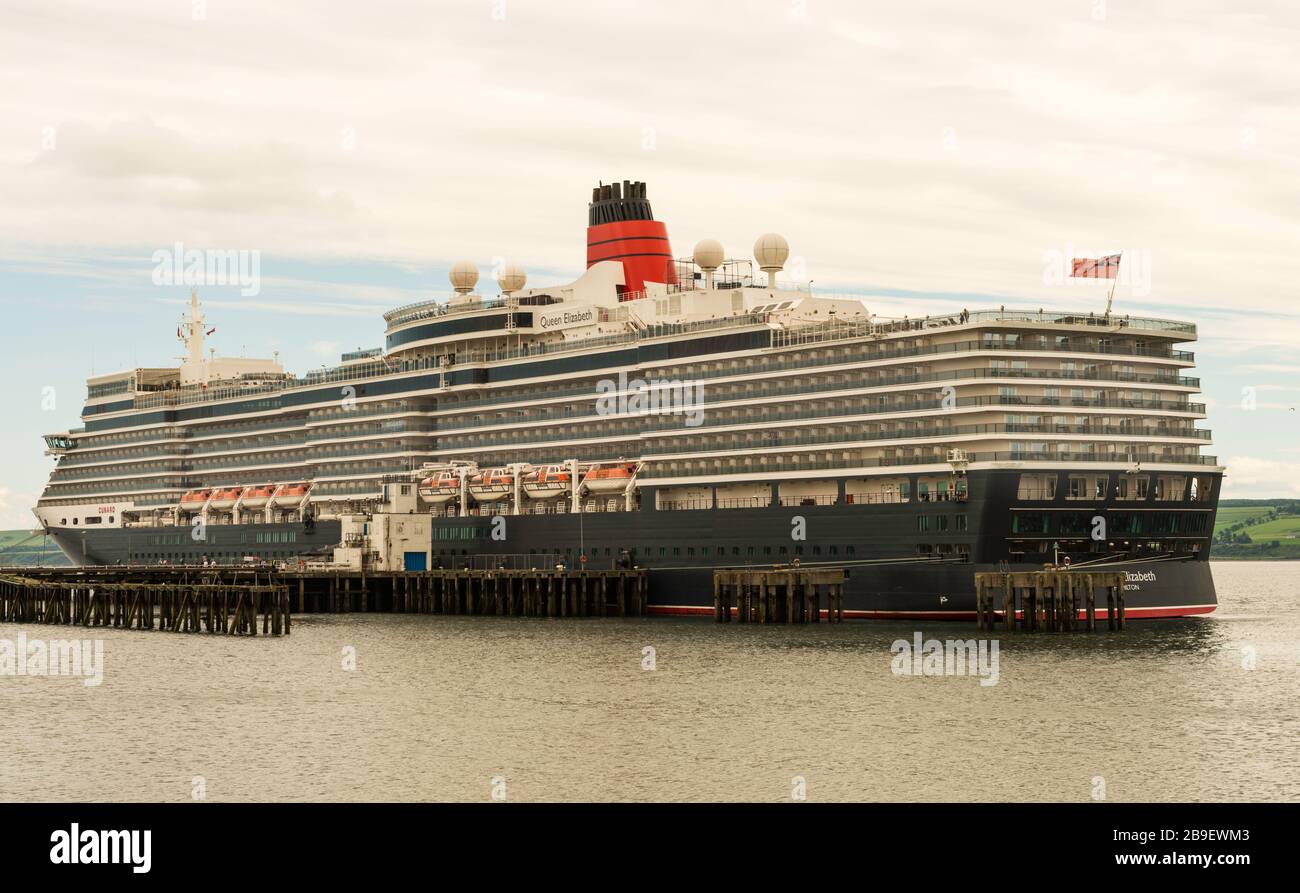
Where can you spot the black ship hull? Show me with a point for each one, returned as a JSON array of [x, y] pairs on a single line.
[[900, 566]]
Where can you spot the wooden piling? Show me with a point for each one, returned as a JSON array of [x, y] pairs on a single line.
[[1050, 599]]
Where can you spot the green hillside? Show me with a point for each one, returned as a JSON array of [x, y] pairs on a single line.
[[22, 547], [1257, 528]]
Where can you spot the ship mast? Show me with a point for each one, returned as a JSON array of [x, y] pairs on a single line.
[[194, 367], [191, 333]]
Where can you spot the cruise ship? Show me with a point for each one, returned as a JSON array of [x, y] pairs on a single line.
[[676, 414]]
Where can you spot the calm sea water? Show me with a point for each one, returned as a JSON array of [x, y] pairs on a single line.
[[439, 707]]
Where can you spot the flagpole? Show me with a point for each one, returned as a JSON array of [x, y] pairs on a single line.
[[1111, 297]]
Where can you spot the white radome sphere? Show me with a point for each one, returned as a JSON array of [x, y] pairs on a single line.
[[511, 278], [464, 275], [708, 254], [771, 251]]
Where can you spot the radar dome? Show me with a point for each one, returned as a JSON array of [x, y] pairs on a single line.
[[771, 252], [463, 276], [511, 278], [708, 254]]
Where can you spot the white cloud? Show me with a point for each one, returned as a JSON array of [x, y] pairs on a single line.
[[16, 510], [327, 349], [421, 133], [1254, 477]]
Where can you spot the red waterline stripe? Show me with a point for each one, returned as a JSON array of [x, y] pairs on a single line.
[[1174, 611]]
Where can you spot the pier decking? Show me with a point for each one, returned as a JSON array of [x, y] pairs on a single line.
[[230, 599], [172, 604]]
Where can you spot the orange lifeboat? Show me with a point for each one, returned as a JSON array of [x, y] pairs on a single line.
[[195, 500], [256, 497], [548, 482], [291, 494], [225, 499], [441, 487], [490, 486], [609, 478]]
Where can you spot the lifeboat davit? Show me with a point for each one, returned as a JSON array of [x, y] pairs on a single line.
[[548, 482], [195, 500], [440, 488], [256, 497], [225, 499], [609, 478], [490, 486]]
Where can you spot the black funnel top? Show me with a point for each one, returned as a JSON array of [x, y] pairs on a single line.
[[616, 202]]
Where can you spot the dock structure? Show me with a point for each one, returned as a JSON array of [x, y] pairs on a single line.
[[778, 595], [502, 593], [190, 606], [1053, 600], [137, 596]]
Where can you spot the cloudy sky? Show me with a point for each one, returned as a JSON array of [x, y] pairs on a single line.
[[925, 155]]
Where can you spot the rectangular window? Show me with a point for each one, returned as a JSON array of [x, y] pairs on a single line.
[[1029, 522]]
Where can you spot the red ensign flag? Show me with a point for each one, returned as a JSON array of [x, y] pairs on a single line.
[[1096, 267]]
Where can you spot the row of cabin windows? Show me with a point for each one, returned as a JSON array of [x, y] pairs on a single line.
[[1117, 523], [940, 523], [1137, 487]]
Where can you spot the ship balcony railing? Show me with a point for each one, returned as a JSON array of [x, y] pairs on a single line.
[[509, 440], [810, 499], [1113, 322], [387, 429], [717, 468], [464, 358], [760, 417], [61, 474], [307, 457], [634, 428], [888, 498], [280, 421], [761, 366], [897, 404], [769, 441], [685, 505], [112, 441], [313, 438], [366, 410], [295, 442], [212, 393], [743, 502], [829, 332], [438, 309], [324, 458], [397, 466], [942, 496]]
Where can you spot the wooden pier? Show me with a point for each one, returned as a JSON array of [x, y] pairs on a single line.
[[778, 595], [164, 604], [1051, 600], [501, 593], [216, 599]]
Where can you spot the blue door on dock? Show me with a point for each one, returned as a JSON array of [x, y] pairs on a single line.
[[416, 561]]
